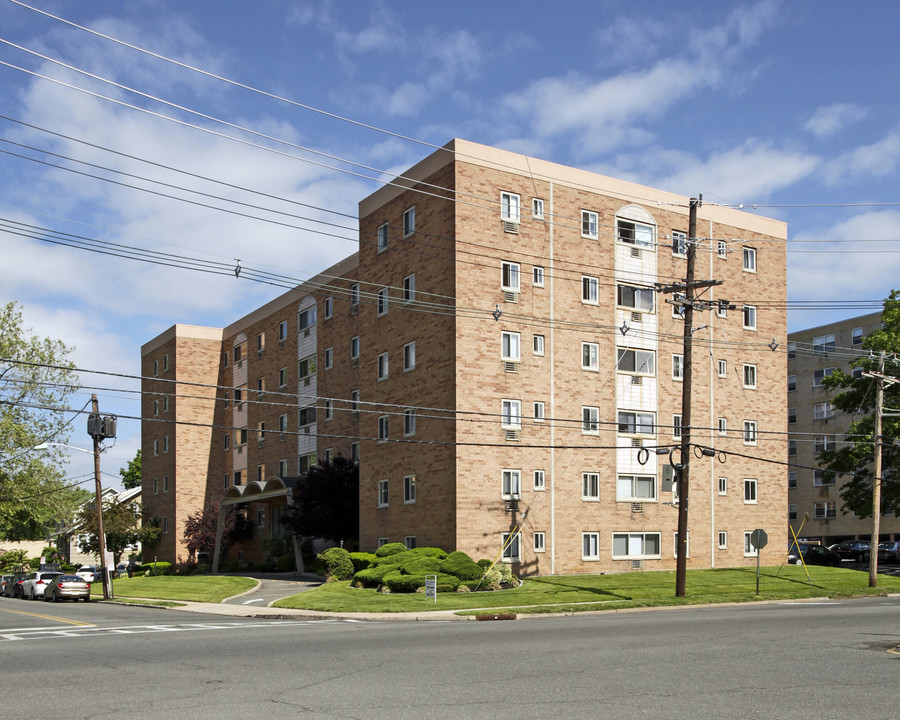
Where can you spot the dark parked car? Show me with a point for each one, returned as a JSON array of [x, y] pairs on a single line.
[[813, 555], [13, 587], [857, 550], [3, 579], [67, 587], [889, 551]]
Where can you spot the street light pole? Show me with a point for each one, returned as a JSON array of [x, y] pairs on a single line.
[[101, 536]]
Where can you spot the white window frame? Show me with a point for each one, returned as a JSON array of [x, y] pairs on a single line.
[[590, 356], [677, 426], [510, 207], [636, 537], [409, 221], [384, 493], [409, 289], [590, 546], [354, 348], [590, 420], [590, 290], [749, 317], [791, 383], [409, 490], [590, 486], [382, 297], [328, 308], [537, 276], [328, 407], [382, 236], [679, 243], [409, 422], [510, 276], [409, 356], [637, 231], [856, 336], [678, 367], [751, 491], [823, 410], [750, 550], [634, 424], [384, 428], [511, 484], [512, 547], [642, 362], [537, 345], [723, 427], [539, 480], [540, 541], [749, 376], [538, 411], [751, 432], [511, 414], [507, 341], [638, 293], [749, 255], [820, 374], [537, 208], [590, 224], [722, 540], [329, 358], [635, 481], [383, 366], [722, 368], [722, 249], [723, 486]]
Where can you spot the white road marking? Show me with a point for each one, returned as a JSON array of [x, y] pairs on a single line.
[[247, 602]]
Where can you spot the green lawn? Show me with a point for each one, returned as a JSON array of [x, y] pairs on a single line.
[[192, 588], [574, 593]]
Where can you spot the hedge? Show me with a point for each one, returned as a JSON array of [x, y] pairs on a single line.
[[421, 566], [362, 560], [156, 568], [398, 582], [337, 563], [462, 566], [390, 549]]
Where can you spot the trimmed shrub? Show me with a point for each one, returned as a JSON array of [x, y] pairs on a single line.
[[362, 560], [338, 564], [156, 568], [431, 552], [462, 566], [421, 566], [390, 549], [485, 563], [400, 583], [371, 577]]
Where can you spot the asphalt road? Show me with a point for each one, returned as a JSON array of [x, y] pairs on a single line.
[[814, 660]]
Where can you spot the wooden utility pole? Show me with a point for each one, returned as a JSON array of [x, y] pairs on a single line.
[[684, 472], [876, 481], [101, 535]]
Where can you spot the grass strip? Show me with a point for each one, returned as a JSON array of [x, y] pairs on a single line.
[[190, 588]]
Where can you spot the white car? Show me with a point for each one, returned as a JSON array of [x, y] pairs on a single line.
[[34, 585], [90, 573]]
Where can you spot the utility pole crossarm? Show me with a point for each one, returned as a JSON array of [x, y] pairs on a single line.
[[683, 287]]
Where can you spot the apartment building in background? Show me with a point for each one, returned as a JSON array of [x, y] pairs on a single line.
[[814, 425], [500, 360]]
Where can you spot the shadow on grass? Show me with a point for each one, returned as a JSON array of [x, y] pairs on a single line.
[[560, 587], [774, 576]]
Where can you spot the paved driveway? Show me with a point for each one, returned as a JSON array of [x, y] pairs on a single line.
[[271, 589]]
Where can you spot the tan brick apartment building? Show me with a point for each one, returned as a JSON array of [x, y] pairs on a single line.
[[496, 355], [814, 425]]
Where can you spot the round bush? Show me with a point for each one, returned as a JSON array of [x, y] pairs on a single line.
[[371, 577], [362, 560], [462, 566], [337, 563], [421, 566], [390, 549]]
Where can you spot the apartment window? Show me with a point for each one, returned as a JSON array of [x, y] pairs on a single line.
[[409, 489], [749, 317], [590, 290], [590, 225], [328, 406], [511, 551], [722, 309], [823, 411], [749, 432], [538, 411], [820, 375], [227, 482], [723, 486], [590, 486], [409, 356], [678, 302], [823, 343], [282, 379], [723, 426], [226, 440], [240, 436], [639, 362], [260, 473], [722, 368], [749, 548], [409, 221], [537, 276], [511, 484], [260, 431], [382, 301], [226, 399], [155, 368], [238, 478], [636, 488], [750, 376], [354, 350], [156, 485], [723, 540], [537, 208], [675, 545], [260, 387], [636, 423], [825, 510], [792, 511], [239, 398], [354, 401], [165, 524], [679, 243], [792, 479], [823, 477], [165, 483], [383, 493], [224, 359], [791, 382], [354, 452], [509, 347], [165, 443], [636, 545], [638, 298], [282, 331], [722, 249], [165, 403], [382, 237], [824, 443], [540, 480], [678, 367], [354, 297], [328, 307], [590, 546], [749, 259], [382, 541], [306, 319], [676, 427], [329, 456], [383, 366], [155, 408], [509, 207], [856, 336], [750, 491], [409, 422], [306, 368], [791, 350], [409, 288], [537, 343], [329, 358], [590, 421], [509, 276], [282, 468], [282, 423], [511, 414], [540, 542], [590, 356], [306, 415], [383, 428], [155, 448], [792, 415], [634, 233]]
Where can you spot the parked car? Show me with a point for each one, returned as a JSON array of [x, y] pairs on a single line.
[[813, 555], [90, 573], [889, 551], [34, 585], [67, 587], [3, 579], [13, 587], [857, 550]]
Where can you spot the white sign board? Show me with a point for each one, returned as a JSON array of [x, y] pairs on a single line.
[[431, 587]]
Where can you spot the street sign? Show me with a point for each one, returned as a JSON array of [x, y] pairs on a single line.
[[759, 538], [431, 587]]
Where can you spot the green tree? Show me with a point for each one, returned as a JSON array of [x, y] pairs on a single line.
[[131, 475], [123, 526], [855, 458], [36, 378], [327, 503]]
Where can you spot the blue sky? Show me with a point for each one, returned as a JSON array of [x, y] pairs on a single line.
[[765, 103]]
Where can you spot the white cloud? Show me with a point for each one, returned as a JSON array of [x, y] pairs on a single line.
[[879, 159], [831, 119]]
